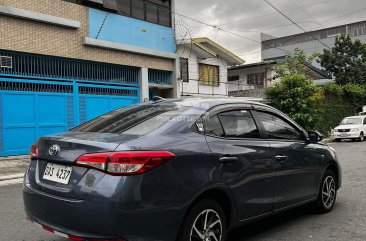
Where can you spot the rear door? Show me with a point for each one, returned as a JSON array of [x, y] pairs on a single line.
[[245, 159], [298, 164]]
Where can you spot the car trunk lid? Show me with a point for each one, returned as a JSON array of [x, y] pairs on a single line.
[[70, 146]]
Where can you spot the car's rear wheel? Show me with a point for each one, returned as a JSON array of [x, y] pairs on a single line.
[[205, 221], [327, 193], [361, 138]]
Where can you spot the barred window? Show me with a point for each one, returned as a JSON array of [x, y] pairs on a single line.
[[209, 75], [256, 79], [233, 78], [184, 70], [155, 11]]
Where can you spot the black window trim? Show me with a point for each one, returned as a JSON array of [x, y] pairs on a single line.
[[233, 107]]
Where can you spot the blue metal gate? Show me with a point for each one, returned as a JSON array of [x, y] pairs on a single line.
[[33, 108], [41, 95]]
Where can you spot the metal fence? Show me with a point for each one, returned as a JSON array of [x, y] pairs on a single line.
[[22, 64], [224, 89]]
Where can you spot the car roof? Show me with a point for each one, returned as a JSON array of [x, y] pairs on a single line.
[[212, 102]]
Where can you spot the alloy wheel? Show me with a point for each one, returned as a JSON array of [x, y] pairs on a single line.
[[207, 227], [328, 192], [361, 137]]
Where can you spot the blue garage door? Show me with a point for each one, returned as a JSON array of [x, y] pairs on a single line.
[[30, 109]]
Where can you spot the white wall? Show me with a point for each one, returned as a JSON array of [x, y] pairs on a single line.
[[193, 87], [243, 73]]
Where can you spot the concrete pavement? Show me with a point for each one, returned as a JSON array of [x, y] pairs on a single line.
[[12, 169], [346, 222]]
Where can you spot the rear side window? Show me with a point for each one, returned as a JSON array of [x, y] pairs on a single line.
[[239, 124], [136, 120], [277, 128]]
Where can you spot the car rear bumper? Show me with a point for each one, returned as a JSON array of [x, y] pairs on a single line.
[[99, 217]]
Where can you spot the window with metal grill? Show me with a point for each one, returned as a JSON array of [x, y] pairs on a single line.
[[184, 69], [35, 87], [63, 68], [159, 77], [256, 79], [6, 62], [106, 91], [209, 75], [233, 78]]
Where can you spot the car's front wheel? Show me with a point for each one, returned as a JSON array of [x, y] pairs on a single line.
[[205, 221], [327, 193], [361, 138]]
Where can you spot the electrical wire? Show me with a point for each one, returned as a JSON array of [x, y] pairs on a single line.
[[292, 21], [228, 31]]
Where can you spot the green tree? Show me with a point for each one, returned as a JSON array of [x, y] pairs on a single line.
[[346, 61], [299, 97], [296, 63]]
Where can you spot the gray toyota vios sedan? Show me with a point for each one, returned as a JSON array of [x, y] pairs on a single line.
[[176, 170]]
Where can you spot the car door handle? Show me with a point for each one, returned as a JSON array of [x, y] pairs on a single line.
[[228, 160], [281, 158]]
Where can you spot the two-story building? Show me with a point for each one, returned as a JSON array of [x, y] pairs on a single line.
[[202, 68], [311, 42], [65, 62]]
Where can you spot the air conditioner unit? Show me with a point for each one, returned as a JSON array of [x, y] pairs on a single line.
[[6, 62]]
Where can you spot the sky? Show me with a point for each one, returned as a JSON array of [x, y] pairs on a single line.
[[248, 18]]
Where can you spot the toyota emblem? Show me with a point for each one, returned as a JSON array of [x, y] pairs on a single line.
[[54, 150]]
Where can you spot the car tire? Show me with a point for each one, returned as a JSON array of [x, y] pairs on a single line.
[[327, 193], [193, 226], [361, 138]]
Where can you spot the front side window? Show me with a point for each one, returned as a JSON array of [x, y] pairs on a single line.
[[277, 128], [209, 75]]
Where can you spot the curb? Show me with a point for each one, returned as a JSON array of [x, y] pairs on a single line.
[[10, 177], [327, 140]]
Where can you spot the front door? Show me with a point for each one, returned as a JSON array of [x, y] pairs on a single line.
[[297, 163], [246, 163]]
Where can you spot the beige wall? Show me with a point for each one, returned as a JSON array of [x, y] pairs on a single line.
[[40, 38]]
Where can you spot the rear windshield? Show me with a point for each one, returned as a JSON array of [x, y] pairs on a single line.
[[135, 120]]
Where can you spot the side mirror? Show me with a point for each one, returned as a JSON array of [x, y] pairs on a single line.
[[315, 137]]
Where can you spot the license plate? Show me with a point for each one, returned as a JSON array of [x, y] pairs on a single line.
[[57, 173], [344, 135]]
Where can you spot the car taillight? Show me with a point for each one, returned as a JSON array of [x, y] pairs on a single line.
[[33, 152], [126, 162]]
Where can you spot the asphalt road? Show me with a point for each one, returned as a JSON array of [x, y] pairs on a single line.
[[346, 222]]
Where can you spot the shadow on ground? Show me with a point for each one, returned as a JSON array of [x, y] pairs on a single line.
[[265, 227]]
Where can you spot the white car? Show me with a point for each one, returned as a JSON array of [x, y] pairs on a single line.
[[353, 128]]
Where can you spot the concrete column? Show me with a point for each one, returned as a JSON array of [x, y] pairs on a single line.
[[144, 84]]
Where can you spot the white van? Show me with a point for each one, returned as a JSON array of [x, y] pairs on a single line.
[[353, 127]]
